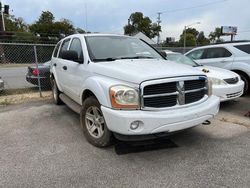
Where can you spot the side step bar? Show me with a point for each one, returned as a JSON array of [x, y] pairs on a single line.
[[70, 103]]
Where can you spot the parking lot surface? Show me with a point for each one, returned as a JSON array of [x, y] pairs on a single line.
[[42, 145]]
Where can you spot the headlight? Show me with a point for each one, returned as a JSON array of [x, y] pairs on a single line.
[[124, 97], [217, 81]]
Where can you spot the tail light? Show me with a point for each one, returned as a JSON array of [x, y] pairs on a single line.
[[35, 72]]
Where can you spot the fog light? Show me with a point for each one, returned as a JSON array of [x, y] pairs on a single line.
[[136, 124]]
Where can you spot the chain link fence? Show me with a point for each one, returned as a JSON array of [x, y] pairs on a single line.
[[24, 68]]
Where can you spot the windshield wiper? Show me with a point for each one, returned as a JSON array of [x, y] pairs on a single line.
[[137, 57], [105, 59]]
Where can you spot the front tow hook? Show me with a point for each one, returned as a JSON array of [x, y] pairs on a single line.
[[207, 122]]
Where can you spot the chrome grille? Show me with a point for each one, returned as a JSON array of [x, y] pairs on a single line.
[[232, 80], [173, 92]]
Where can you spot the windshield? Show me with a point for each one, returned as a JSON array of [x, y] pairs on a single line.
[[111, 48], [179, 58]]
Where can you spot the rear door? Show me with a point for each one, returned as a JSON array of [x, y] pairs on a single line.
[[217, 56], [61, 65]]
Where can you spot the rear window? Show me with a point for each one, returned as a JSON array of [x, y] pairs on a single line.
[[216, 53], [245, 48]]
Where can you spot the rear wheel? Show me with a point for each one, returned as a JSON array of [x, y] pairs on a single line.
[[93, 123], [55, 92]]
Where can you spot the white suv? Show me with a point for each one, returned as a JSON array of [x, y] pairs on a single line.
[[121, 86], [232, 56]]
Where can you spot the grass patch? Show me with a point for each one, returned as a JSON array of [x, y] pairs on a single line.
[[25, 97]]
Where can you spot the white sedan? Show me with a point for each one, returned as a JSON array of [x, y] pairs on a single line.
[[227, 85]]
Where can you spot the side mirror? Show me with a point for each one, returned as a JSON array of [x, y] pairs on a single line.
[[71, 56], [164, 54]]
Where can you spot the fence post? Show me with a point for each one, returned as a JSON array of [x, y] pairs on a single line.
[[39, 81]]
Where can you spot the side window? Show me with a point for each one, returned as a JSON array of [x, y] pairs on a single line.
[[216, 53], [76, 46], [197, 54], [56, 49], [245, 48], [64, 47]]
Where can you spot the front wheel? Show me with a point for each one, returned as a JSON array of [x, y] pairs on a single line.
[[246, 81], [93, 123]]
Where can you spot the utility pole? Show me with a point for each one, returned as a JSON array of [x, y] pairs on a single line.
[[5, 11], [158, 22], [2, 24]]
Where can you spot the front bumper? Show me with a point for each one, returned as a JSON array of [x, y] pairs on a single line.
[[119, 121], [228, 92]]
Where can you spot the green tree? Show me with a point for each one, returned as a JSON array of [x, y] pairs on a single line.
[[192, 31], [202, 40], [190, 40], [215, 35], [46, 18], [13, 24], [193, 38], [47, 28], [139, 23]]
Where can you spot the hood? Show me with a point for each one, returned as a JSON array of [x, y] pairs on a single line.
[[217, 72], [139, 70]]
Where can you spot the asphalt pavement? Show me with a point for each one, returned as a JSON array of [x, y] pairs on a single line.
[[14, 77], [42, 145]]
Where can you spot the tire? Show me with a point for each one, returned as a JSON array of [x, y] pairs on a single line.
[[55, 92], [93, 123], [246, 81]]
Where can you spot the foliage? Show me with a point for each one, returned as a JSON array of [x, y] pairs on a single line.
[[139, 23], [15, 24], [215, 35], [194, 38], [47, 27], [190, 39], [202, 40]]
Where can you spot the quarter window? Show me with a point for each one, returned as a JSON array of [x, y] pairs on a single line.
[[245, 48], [64, 47], [76, 46], [216, 53]]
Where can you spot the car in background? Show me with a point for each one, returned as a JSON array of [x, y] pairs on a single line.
[[227, 85], [234, 56], [1, 84], [42, 71]]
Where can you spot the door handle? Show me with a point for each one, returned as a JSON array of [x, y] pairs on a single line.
[[64, 67]]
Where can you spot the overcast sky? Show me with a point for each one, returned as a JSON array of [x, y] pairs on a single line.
[[110, 16]]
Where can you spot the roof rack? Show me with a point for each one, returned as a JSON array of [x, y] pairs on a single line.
[[228, 42]]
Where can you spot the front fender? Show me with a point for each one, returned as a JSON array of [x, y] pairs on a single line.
[[241, 66], [99, 88], [100, 85]]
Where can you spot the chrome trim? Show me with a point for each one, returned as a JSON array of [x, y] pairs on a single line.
[[176, 106], [195, 90], [180, 92], [160, 95]]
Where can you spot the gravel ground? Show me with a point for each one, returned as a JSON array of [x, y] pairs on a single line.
[[42, 146]]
